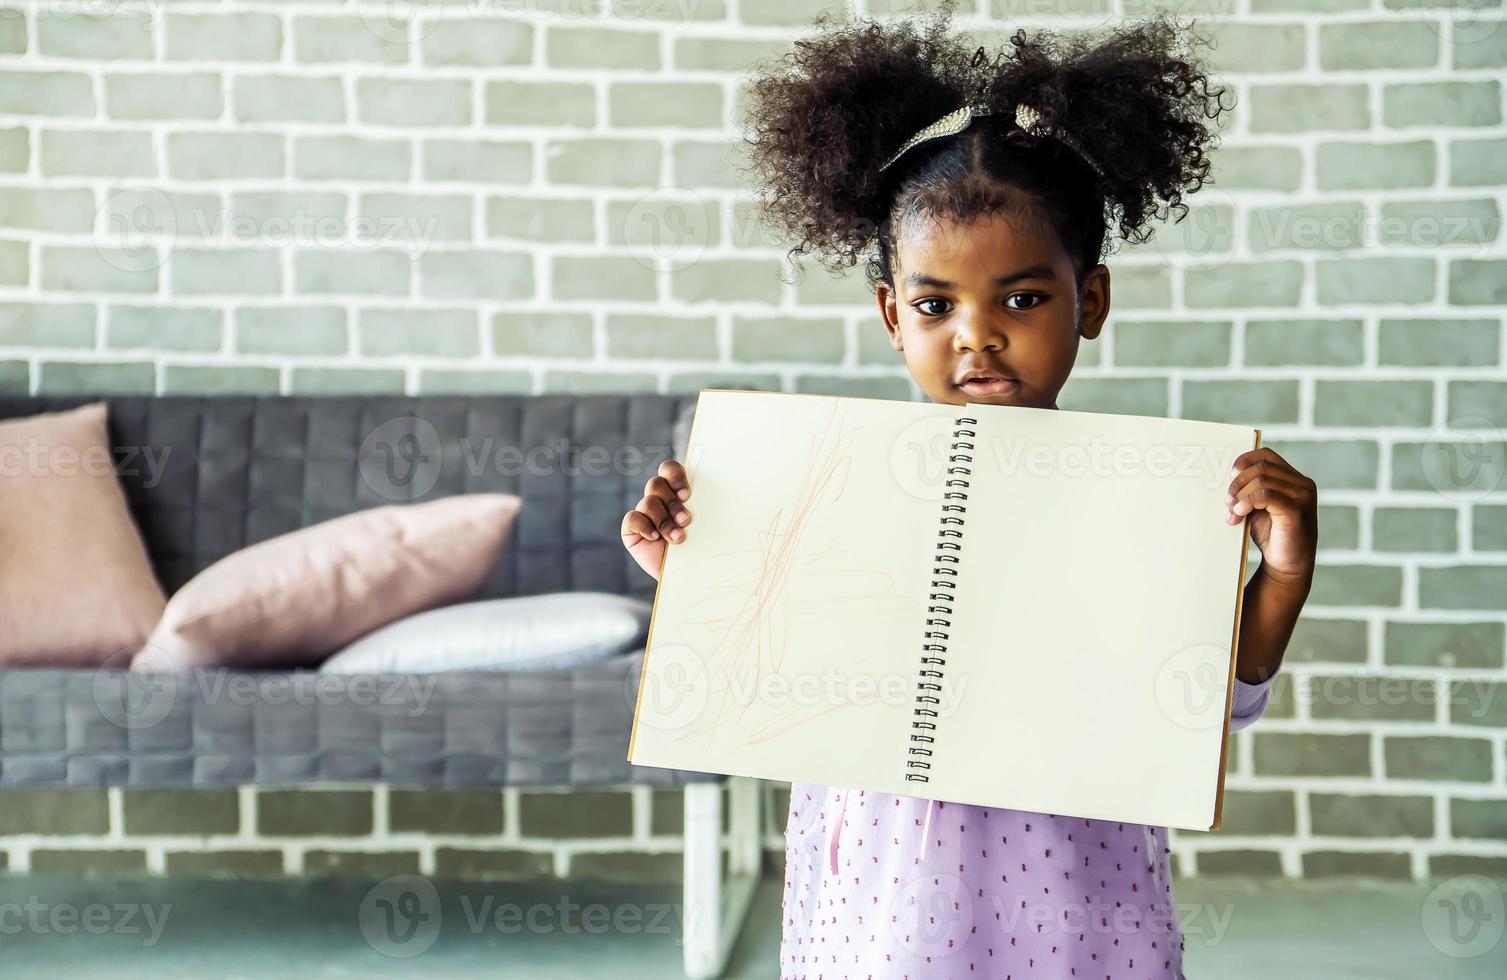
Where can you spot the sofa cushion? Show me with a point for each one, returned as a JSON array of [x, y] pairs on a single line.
[[76, 585], [294, 599], [228, 471], [555, 631]]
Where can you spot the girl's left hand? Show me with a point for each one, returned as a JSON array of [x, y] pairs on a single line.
[[1285, 508]]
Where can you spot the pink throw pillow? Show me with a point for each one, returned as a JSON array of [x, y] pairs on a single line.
[[296, 598], [76, 584]]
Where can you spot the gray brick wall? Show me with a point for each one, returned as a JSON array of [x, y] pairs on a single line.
[[367, 830], [314, 196]]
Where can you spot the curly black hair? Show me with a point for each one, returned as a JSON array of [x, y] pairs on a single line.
[[821, 118]]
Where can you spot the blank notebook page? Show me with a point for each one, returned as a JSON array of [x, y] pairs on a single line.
[[797, 588], [1096, 607]]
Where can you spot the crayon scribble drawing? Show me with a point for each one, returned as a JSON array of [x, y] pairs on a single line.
[[795, 576]]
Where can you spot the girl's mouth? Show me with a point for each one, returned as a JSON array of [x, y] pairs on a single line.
[[990, 386]]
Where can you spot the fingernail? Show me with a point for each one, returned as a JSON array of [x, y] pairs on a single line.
[[684, 493], [1229, 498], [681, 517]]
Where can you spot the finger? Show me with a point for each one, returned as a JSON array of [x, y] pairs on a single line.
[[1264, 460], [637, 524], [1293, 490], [1267, 470], [1252, 456], [660, 488], [675, 474], [656, 509], [1298, 498], [1272, 498]]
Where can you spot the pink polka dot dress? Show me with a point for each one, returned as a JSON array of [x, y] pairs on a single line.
[[881, 887]]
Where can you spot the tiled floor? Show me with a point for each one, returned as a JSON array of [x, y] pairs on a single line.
[[54, 927]]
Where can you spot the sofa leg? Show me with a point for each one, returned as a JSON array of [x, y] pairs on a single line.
[[713, 914]]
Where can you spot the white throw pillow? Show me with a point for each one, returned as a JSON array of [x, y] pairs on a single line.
[[538, 632]]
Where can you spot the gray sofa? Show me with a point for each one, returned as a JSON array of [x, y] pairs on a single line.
[[205, 476]]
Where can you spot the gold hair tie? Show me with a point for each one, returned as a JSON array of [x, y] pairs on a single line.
[[1027, 119]]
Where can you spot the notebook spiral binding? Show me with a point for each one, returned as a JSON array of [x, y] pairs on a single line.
[[939, 608]]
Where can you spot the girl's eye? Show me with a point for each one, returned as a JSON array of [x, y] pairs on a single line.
[[1035, 301]]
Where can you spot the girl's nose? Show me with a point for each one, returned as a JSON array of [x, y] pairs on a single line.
[[977, 333]]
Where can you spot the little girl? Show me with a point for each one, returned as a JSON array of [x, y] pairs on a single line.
[[987, 228]]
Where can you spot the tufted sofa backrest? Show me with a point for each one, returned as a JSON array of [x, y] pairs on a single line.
[[208, 475]]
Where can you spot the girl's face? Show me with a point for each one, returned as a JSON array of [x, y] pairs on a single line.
[[980, 300]]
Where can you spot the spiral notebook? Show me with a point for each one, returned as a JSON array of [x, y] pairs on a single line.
[[997, 605]]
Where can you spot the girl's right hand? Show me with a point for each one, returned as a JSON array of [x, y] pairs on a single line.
[[658, 518]]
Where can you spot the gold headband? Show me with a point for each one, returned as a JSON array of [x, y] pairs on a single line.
[[1026, 119]]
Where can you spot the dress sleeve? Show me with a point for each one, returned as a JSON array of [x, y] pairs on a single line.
[[1250, 701]]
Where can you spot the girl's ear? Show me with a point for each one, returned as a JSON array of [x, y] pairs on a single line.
[[1094, 305], [888, 314]]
